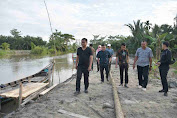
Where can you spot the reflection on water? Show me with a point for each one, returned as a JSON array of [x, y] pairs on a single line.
[[17, 67]]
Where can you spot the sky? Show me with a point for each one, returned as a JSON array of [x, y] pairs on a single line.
[[82, 18]]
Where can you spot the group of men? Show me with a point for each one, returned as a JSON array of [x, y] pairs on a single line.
[[143, 59]]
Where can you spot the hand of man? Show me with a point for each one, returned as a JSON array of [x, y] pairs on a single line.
[[89, 69], [150, 68], [116, 65], [133, 66], [158, 63], [76, 67]]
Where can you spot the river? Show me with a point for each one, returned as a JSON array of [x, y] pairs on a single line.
[[15, 67]]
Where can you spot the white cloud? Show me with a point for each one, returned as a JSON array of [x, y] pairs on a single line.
[[82, 19]]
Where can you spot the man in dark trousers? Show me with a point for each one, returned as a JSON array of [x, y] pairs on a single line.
[[123, 57], [143, 57], [104, 58], [164, 62], [84, 61]]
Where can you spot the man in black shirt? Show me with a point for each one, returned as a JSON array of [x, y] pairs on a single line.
[[104, 58], [164, 62], [84, 61]]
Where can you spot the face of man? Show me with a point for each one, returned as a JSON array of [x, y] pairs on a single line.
[[99, 46], [83, 43], [109, 47], [163, 46], [123, 47], [103, 48], [143, 45]]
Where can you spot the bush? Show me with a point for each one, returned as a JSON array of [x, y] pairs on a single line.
[[2, 52], [52, 51], [39, 50]]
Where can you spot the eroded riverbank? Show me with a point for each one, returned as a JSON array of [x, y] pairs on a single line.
[[90, 105]]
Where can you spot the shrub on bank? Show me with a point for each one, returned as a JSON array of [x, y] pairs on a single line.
[[39, 50], [52, 51], [2, 52]]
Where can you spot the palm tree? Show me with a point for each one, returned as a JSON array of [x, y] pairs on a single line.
[[138, 32]]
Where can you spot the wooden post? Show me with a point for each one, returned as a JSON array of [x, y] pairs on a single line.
[[29, 79], [0, 104], [53, 70], [20, 93]]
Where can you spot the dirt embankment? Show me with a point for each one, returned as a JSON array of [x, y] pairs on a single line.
[[137, 103], [90, 105]]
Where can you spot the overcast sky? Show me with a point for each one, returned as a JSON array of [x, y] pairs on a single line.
[[82, 18]]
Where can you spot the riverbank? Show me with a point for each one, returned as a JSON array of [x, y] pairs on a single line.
[[97, 103]]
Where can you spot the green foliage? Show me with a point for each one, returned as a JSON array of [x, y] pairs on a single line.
[[60, 41], [39, 50], [32, 45], [5, 46], [52, 51], [18, 42], [2, 52]]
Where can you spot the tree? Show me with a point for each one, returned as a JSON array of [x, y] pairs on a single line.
[[5, 46]]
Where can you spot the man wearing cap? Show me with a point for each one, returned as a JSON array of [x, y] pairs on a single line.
[[111, 51]]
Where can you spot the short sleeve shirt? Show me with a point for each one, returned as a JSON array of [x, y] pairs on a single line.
[[122, 56], [104, 57], [143, 56], [111, 51], [84, 57]]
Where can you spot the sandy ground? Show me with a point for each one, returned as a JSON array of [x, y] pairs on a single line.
[[137, 103], [90, 105]]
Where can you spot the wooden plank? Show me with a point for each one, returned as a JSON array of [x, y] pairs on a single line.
[[32, 96], [47, 90], [71, 114], [27, 90]]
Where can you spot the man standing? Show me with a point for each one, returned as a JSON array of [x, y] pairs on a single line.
[[111, 51], [164, 62], [123, 57], [84, 61], [99, 49], [143, 57], [104, 59], [93, 52]]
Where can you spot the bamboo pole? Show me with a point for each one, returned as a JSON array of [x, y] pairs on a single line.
[[117, 105]]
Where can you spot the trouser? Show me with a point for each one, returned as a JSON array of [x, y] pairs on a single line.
[[163, 75], [102, 67], [123, 67], [143, 73], [98, 66], [85, 71]]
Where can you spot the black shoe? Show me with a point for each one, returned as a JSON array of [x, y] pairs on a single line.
[[165, 94], [107, 79], [76, 93], [86, 91], [121, 85], [161, 91], [126, 86]]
